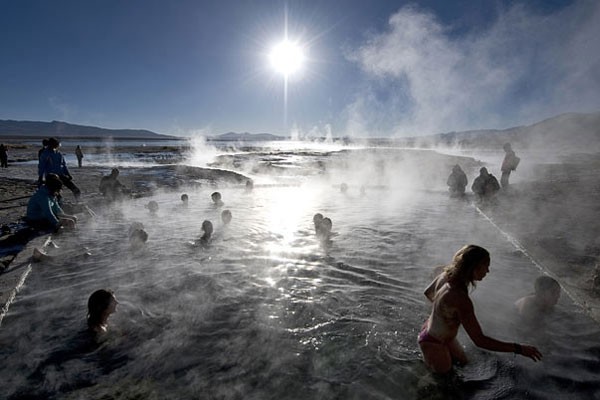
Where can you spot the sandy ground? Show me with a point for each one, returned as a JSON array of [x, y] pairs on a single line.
[[553, 215]]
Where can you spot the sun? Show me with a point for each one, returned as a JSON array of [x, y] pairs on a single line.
[[287, 57]]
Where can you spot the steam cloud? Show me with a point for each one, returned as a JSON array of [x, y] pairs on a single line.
[[423, 78]]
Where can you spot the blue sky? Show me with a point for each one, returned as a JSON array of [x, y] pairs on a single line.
[[373, 68]]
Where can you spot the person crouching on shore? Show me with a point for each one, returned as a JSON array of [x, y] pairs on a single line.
[[43, 210]]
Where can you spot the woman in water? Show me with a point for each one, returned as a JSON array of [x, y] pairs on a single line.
[[449, 293], [101, 304]]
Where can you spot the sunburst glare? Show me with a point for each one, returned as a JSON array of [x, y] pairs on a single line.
[[287, 57]]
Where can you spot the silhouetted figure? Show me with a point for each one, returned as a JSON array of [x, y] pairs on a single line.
[[44, 147], [452, 307], [79, 155], [509, 164], [101, 304], [226, 217], [184, 200], [317, 221], [152, 206], [485, 186], [110, 187], [542, 301], [53, 162], [457, 182], [137, 236], [216, 198], [207, 229], [249, 185], [325, 230], [3, 156]]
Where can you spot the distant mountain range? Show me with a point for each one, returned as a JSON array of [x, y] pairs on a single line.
[[573, 131], [246, 137], [62, 130]]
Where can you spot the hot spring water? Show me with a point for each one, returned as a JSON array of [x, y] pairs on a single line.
[[266, 311]]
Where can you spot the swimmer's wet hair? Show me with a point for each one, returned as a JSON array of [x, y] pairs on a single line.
[[98, 302]]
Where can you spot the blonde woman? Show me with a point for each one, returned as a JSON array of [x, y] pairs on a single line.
[[452, 307]]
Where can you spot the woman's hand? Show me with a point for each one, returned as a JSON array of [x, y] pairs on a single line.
[[531, 352]]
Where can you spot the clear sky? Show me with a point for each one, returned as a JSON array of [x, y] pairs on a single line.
[[372, 68]]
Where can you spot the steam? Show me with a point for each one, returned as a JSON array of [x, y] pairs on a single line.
[[422, 78], [201, 153]]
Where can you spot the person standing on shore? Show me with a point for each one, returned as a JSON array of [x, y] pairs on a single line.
[[53, 162], [3, 156], [79, 155], [510, 163], [452, 307], [44, 147]]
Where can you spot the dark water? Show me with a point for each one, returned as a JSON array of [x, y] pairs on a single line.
[[267, 311]]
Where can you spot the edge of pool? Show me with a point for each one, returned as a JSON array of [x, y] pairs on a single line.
[[13, 278]]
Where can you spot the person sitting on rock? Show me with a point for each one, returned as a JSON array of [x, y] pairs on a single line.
[[485, 186], [457, 182], [43, 209], [110, 187]]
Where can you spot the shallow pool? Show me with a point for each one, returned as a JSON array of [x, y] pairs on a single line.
[[267, 311]]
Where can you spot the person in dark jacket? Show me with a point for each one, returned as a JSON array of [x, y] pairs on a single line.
[[53, 162], [485, 186], [43, 210], [457, 182]]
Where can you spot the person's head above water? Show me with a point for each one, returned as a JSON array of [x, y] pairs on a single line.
[[101, 304], [317, 220], [469, 264], [456, 168], [216, 198], [138, 237], [207, 228], [184, 198], [249, 185], [483, 171], [152, 206], [547, 290], [114, 172], [326, 226], [226, 216]]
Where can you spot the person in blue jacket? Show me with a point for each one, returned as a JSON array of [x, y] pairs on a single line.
[[53, 162], [43, 210]]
